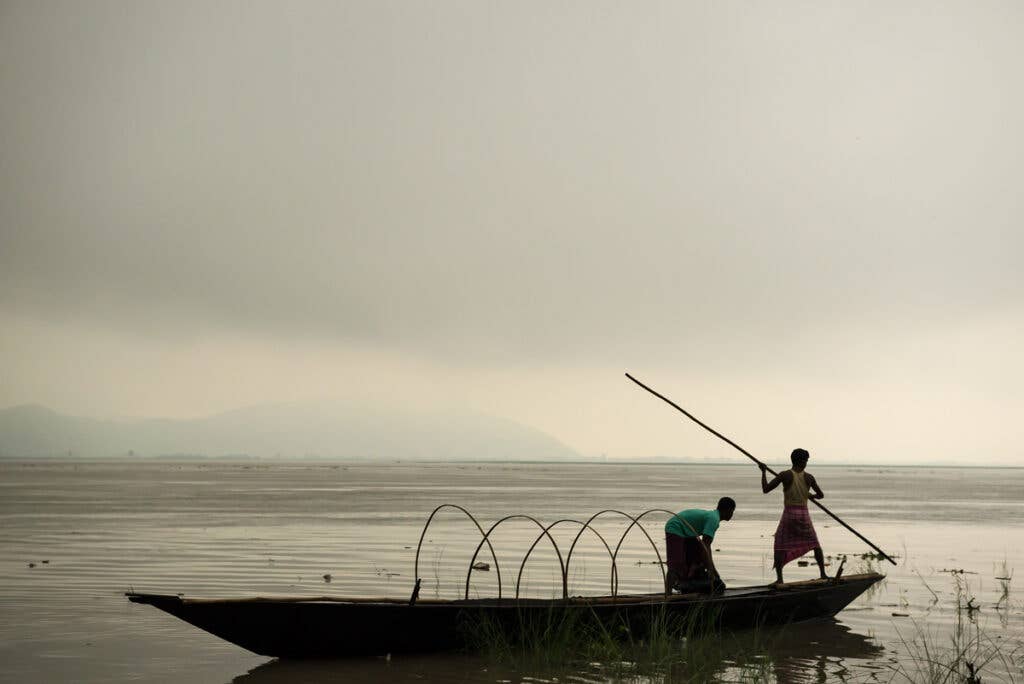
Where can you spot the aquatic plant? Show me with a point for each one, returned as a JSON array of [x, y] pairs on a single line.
[[666, 647], [1004, 577], [965, 600], [967, 654], [935, 597]]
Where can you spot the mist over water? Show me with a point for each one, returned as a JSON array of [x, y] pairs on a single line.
[[94, 530]]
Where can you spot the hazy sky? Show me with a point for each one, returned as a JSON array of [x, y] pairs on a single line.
[[802, 220]]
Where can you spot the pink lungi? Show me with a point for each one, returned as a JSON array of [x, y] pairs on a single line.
[[795, 535]]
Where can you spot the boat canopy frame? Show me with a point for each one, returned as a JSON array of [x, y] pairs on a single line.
[[545, 531]]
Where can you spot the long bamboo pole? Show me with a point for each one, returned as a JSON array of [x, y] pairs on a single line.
[[746, 453]]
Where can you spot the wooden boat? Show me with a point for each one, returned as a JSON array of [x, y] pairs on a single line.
[[327, 627]]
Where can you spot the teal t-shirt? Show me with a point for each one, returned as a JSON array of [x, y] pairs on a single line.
[[701, 521]]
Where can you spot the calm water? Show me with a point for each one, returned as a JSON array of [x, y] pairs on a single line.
[[96, 530]]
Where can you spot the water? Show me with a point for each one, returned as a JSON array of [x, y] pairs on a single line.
[[95, 530]]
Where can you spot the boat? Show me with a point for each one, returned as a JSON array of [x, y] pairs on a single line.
[[333, 627]]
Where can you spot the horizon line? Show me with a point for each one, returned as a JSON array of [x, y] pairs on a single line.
[[185, 458]]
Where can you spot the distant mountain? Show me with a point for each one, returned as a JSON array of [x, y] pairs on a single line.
[[331, 429]]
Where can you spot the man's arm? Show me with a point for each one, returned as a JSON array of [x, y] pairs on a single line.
[[813, 484], [712, 570], [767, 486]]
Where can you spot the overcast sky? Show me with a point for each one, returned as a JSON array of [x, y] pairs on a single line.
[[801, 220]]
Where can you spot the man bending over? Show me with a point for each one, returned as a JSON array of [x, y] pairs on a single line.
[[688, 538]]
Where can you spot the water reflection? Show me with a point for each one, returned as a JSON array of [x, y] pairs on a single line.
[[426, 668], [819, 652], [812, 652]]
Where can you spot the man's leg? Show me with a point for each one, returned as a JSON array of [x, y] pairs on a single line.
[[675, 557], [779, 556], [671, 579], [819, 558]]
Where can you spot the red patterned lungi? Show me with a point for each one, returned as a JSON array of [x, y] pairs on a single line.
[[795, 535]]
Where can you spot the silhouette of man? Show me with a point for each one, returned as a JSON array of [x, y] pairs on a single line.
[[795, 535]]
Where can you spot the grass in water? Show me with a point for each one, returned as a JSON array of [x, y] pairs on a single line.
[[1003, 577], [666, 645], [573, 644], [967, 653], [961, 659]]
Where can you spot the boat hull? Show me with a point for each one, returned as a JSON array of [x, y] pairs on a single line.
[[329, 627]]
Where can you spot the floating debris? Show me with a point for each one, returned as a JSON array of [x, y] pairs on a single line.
[[870, 555], [31, 565], [480, 565], [327, 578]]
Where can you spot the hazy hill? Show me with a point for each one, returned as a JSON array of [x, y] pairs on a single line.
[[308, 429]]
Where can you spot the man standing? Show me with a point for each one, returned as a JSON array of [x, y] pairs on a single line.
[[688, 538], [795, 535]]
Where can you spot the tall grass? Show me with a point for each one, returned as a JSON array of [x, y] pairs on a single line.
[[967, 653], [1004, 577], [666, 646], [960, 659], [574, 644]]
